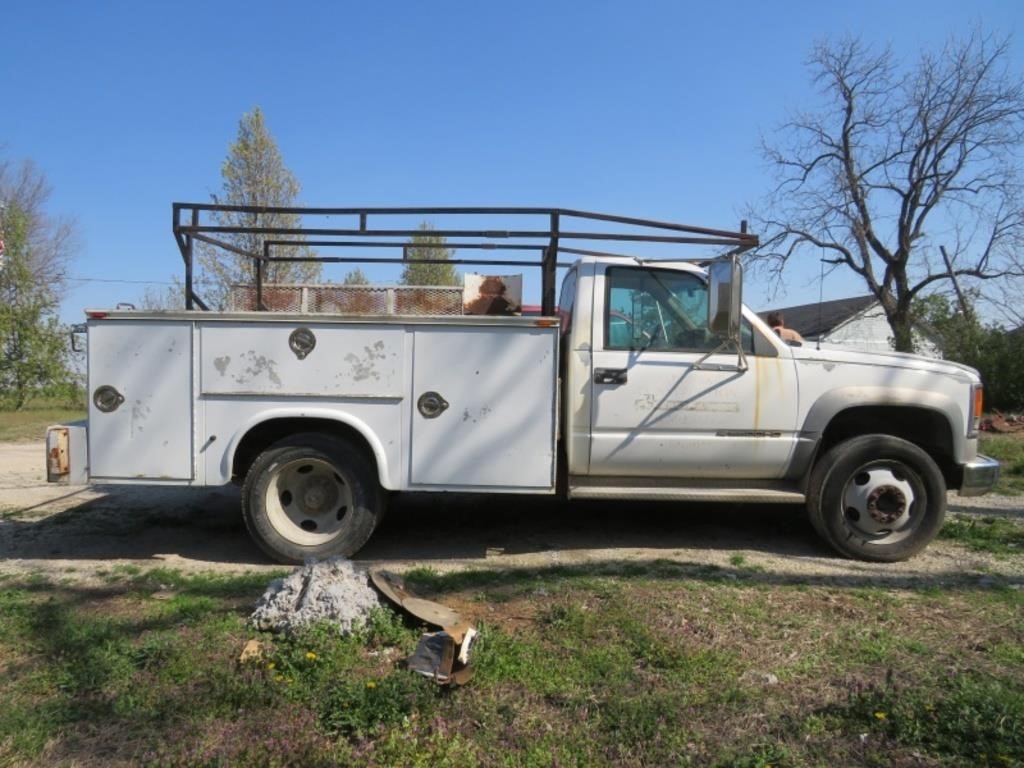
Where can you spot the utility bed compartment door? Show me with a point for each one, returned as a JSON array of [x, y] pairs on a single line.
[[498, 430], [343, 361], [148, 435]]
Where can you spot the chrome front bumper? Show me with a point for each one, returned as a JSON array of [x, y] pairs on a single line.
[[980, 476]]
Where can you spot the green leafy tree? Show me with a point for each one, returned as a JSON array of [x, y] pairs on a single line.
[[253, 174], [355, 277], [427, 245], [34, 344], [997, 355], [39, 246], [896, 163]]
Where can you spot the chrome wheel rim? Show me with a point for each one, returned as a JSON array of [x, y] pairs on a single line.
[[307, 501]]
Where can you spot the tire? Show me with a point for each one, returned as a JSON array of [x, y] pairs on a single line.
[[311, 495], [877, 498]]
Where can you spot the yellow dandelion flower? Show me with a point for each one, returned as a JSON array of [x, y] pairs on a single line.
[[371, 684], [310, 656], [880, 715]]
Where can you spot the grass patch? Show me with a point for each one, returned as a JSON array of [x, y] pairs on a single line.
[[996, 535], [967, 715], [608, 664], [1009, 451], [30, 422]]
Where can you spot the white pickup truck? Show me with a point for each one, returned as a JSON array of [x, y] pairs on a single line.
[[648, 380]]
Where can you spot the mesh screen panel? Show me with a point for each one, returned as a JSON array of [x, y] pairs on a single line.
[[350, 299]]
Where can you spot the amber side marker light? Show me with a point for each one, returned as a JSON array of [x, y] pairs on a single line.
[[546, 323], [979, 407]]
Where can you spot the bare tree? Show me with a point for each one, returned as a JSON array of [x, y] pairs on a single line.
[[896, 163], [50, 241]]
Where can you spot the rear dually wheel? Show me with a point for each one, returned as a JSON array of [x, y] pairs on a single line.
[[311, 495]]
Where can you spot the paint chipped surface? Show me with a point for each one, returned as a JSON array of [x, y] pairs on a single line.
[[257, 366], [350, 361], [140, 412], [364, 366], [477, 414]]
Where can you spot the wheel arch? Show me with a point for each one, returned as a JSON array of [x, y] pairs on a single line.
[[262, 431], [926, 427]]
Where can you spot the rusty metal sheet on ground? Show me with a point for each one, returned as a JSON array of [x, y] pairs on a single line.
[[441, 656]]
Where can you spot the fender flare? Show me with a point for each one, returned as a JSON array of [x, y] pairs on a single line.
[[835, 401]]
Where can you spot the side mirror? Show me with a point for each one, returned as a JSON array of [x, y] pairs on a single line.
[[725, 297]]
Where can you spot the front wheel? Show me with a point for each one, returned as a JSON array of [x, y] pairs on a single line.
[[311, 495], [877, 497]]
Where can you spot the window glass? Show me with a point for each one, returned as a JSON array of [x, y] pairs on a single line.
[[747, 336], [566, 299], [657, 309]]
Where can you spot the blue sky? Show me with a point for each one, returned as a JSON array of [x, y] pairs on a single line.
[[643, 108]]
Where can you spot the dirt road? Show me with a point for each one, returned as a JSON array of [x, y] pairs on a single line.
[[76, 533]]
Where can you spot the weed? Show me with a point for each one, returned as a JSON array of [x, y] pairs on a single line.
[[1009, 450], [970, 718], [360, 708], [996, 535]]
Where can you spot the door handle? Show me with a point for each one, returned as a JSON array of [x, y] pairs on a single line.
[[609, 375]]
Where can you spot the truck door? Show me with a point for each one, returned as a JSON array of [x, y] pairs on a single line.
[[653, 413]]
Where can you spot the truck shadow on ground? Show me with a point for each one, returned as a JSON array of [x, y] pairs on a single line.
[[136, 523], [203, 525], [455, 526]]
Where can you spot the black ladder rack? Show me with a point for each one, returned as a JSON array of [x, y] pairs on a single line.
[[191, 224]]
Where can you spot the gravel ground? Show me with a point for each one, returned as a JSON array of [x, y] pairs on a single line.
[[76, 533]]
